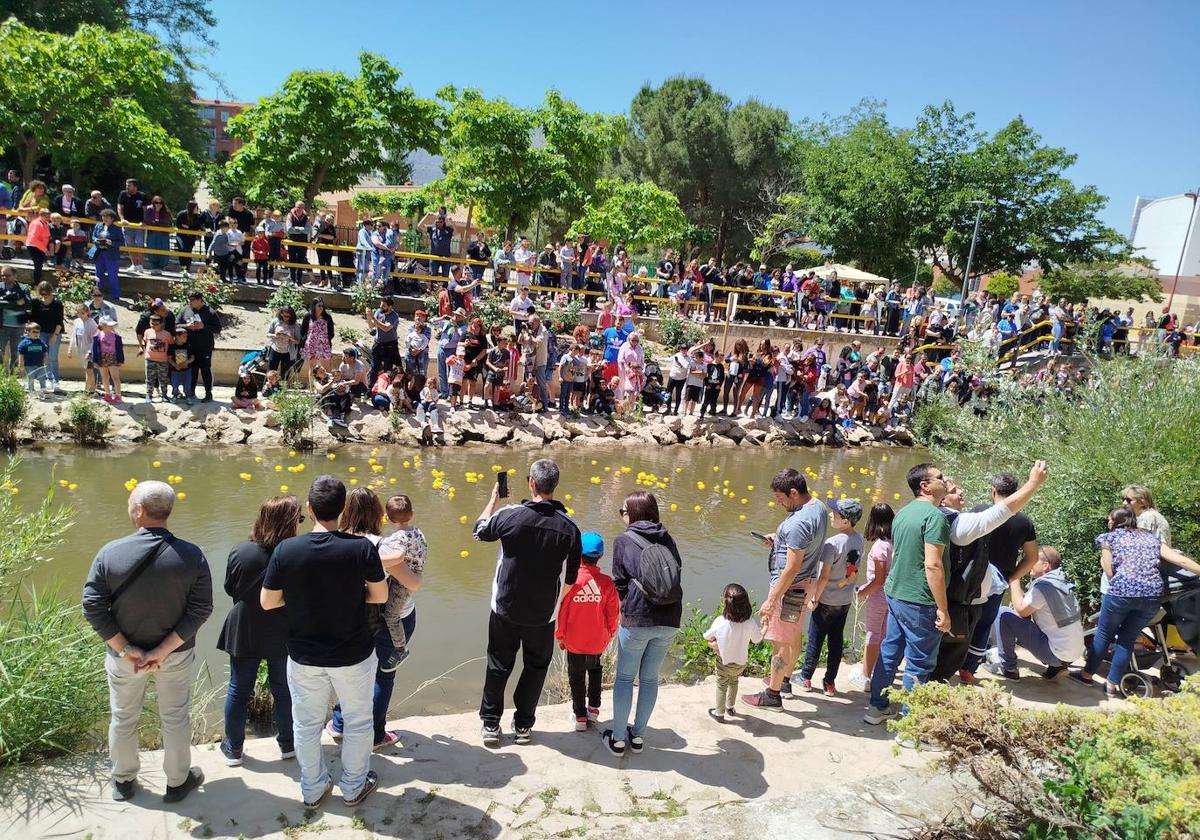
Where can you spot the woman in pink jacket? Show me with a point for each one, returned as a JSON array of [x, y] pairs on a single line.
[[37, 241]]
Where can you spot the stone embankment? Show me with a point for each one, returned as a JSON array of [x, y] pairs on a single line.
[[207, 423]]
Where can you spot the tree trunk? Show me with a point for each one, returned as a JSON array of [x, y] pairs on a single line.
[[28, 153], [722, 227], [510, 230], [462, 243]]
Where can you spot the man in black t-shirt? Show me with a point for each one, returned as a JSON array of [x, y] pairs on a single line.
[[665, 271], [131, 207], [327, 578], [1013, 551], [244, 219]]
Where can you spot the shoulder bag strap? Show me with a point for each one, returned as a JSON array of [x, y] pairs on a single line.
[[142, 565]]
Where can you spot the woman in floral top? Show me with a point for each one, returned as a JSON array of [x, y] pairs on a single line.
[[1130, 558]]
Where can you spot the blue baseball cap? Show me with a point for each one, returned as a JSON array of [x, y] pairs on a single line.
[[593, 544]]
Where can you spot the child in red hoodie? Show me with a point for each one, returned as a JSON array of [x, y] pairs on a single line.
[[587, 620]]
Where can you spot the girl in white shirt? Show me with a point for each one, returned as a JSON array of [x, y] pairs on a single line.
[[730, 636]]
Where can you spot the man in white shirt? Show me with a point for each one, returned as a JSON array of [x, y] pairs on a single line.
[[524, 258], [1045, 621]]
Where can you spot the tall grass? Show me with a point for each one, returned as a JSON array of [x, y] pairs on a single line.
[[88, 423], [296, 409], [1137, 426], [14, 406], [53, 693]]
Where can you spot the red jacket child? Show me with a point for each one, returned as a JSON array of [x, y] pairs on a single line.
[[260, 248], [590, 611]]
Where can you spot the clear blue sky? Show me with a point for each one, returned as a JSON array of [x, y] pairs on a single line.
[[1117, 83]]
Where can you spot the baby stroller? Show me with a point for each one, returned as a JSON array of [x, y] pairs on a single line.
[[653, 394], [254, 363], [1174, 630]]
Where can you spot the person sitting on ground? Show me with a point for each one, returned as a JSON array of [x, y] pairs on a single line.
[[588, 618], [245, 393], [1046, 621]]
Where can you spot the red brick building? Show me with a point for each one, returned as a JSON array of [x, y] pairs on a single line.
[[214, 116]]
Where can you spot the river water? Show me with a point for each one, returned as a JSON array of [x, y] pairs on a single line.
[[711, 523]]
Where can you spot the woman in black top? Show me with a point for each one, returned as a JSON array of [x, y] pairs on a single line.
[[185, 243], [475, 347], [251, 634]]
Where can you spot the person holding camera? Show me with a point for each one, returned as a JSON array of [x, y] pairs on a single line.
[[14, 312]]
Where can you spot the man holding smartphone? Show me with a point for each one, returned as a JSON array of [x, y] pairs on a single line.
[[794, 561], [538, 540]]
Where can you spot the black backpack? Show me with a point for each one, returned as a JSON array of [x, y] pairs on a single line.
[[966, 566], [658, 574]]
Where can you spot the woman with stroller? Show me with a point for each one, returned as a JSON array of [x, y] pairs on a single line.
[[1130, 558]]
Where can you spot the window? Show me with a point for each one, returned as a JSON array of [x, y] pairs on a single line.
[[224, 116], [206, 113]]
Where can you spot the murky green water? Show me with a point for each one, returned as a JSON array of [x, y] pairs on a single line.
[[452, 608]]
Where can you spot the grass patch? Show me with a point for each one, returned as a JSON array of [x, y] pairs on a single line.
[[14, 406], [548, 796], [296, 408], [89, 425]]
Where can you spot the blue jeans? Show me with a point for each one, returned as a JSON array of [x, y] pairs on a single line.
[[564, 397], [825, 622], [54, 343], [539, 380], [243, 671], [385, 682], [640, 653], [181, 381], [443, 385], [1012, 630], [983, 632], [1121, 620], [362, 264], [911, 635], [311, 686], [1056, 342]]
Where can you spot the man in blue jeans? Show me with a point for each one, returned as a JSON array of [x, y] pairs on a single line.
[[327, 578]]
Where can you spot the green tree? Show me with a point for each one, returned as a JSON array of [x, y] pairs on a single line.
[[180, 24], [327, 130], [1002, 284], [112, 97], [716, 157], [1032, 213], [638, 213], [1116, 281], [854, 194], [510, 161]]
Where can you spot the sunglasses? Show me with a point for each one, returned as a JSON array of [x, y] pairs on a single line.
[[1127, 500], [624, 512], [299, 518]]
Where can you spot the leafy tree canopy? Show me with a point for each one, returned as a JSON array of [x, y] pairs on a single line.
[[327, 130], [713, 155], [179, 24], [1117, 281], [112, 97], [513, 160], [639, 214], [1002, 284]]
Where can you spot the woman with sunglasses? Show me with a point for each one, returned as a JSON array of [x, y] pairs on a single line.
[[648, 625], [251, 634], [157, 215]]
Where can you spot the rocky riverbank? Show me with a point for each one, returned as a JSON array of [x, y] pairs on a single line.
[[207, 423]]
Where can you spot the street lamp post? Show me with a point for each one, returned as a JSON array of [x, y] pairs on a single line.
[[1183, 248], [962, 302]]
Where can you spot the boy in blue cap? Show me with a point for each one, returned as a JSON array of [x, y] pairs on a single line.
[[587, 620]]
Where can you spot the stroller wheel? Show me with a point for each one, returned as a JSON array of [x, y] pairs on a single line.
[[1171, 677], [1137, 684]]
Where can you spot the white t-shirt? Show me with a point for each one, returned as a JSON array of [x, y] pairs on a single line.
[[679, 366], [1066, 642], [520, 308], [416, 341], [454, 369], [733, 639]]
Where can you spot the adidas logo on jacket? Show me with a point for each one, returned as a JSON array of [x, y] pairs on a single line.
[[589, 613]]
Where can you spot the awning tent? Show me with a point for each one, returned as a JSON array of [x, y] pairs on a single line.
[[848, 273]]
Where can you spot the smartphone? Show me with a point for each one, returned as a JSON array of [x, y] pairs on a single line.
[[762, 537], [502, 484]]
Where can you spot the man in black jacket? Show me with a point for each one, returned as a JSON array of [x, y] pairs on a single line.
[[66, 204], [537, 540], [202, 326]]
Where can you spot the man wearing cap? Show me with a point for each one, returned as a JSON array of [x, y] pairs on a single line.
[[66, 204], [589, 615], [450, 331], [385, 351], [157, 308], [795, 552], [830, 598]]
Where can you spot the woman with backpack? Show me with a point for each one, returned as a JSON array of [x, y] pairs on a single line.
[[647, 572]]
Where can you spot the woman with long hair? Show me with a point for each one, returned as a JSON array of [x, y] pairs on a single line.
[[316, 337], [363, 517], [157, 215], [735, 372], [759, 367], [251, 634], [475, 347], [647, 626]]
